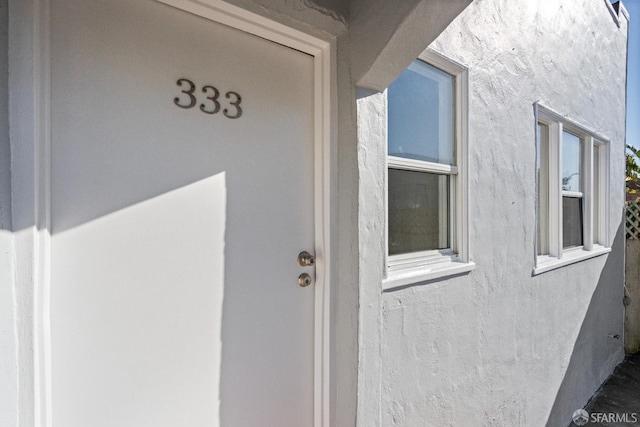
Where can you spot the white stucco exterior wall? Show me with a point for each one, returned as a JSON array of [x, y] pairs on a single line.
[[500, 346], [494, 347]]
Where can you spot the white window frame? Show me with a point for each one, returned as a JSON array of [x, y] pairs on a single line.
[[416, 267], [594, 185]]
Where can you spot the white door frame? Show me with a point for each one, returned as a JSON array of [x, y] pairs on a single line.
[[30, 135]]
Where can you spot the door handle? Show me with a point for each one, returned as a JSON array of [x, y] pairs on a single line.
[[305, 259], [304, 280]]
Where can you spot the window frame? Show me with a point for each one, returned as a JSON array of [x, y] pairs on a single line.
[[415, 267], [594, 189]]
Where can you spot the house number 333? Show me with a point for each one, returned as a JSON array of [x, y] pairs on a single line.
[[211, 103]]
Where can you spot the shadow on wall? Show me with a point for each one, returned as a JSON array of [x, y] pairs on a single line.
[[175, 230], [595, 352]]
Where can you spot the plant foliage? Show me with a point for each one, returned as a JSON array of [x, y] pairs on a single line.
[[632, 170]]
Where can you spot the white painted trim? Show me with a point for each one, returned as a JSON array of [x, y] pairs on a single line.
[[587, 193], [385, 261], [405, 277], [29, 86], [624, 12], [574, 194], [547, 115], [542, 188], [461, 243], [42, 318], [422, 258], [37, 17], [454, 215], [595, 235], [445, 193], [236, 17], [555, 190], [323, 80], [442, 62], [548, 263], [603, 235], [401, 270], [613, 12], [617, 16], [395, 162]]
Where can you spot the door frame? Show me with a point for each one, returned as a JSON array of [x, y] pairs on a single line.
[[30, 138]]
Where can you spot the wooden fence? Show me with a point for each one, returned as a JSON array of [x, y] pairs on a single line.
[[632, 223], [632, 278]]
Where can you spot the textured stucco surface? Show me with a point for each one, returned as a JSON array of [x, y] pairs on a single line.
[[326, 19], [499, 346], [387, 35], [494, 347], [321, 18], [372, 129]]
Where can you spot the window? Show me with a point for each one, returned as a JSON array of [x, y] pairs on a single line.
[[572, 195], [571, 176], [426, 180]]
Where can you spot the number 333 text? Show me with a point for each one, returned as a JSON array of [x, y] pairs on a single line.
[[211, 103]]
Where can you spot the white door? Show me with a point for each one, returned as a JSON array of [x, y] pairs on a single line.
[[182, 193]]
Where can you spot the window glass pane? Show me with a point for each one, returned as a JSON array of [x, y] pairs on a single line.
[[418, 211], [571, 162], [571, 221], [421, 111], [542, 171]]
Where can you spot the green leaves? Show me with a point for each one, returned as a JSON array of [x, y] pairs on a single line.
[[632, 170]]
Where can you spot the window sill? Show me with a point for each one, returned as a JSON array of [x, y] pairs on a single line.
[[410, 276], [570, 256]]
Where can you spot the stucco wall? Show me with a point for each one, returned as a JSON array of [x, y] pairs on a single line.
[[386, 36], [500, 346], [320, 18], [495, 347]]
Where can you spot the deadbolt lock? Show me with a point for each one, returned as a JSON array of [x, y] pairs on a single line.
[[304, 280], [305, 259]]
